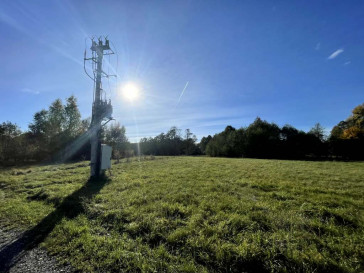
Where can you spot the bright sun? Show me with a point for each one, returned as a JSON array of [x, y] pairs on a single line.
[[130, 91]]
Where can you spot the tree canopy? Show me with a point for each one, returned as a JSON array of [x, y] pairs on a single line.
[[59, 133]]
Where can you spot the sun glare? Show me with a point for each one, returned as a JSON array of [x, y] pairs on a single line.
[[130, 91]]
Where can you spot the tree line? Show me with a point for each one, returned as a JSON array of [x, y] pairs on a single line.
[[59, 134], [170, 143], [56, 134], [262, 139]]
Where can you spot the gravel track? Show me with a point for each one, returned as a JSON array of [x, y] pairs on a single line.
[[14, 259]]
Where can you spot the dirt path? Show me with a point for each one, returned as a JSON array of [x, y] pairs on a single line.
[[33, 260]]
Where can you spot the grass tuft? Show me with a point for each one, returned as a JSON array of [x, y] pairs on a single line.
[[193, 214]]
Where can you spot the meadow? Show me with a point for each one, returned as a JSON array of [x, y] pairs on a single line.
[[192, 214]]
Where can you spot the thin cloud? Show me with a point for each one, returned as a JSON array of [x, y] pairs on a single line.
[[30, 91], [335, 54], [183, 91], [8, 20], [348, 62], [317, 47]]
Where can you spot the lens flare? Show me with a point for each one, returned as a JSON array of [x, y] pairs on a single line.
[[130, 91]]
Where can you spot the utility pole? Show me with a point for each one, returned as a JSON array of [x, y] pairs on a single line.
[[101, 109]]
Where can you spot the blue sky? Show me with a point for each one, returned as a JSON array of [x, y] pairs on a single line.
[[295, 62]]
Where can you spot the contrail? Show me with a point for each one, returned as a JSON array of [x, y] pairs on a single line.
[[183, 91]]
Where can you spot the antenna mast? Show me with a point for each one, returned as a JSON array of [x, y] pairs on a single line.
[[101, 109]]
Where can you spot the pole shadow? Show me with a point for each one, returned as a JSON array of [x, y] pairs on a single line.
[[70, 207]]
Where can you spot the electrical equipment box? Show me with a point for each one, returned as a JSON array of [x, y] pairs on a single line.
[[105, 156]]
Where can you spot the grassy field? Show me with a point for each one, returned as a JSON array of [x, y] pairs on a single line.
[[193, 214]]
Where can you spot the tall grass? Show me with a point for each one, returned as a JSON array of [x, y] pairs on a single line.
[[196, 214]]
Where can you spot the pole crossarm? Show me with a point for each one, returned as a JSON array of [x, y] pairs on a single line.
[[101, 109]]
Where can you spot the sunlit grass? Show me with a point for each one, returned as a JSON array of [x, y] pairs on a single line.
[[198, 214]]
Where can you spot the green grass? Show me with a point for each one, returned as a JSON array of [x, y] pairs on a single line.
[[194, 214]]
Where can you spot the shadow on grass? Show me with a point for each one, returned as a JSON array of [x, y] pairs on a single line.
[[70, 207]]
